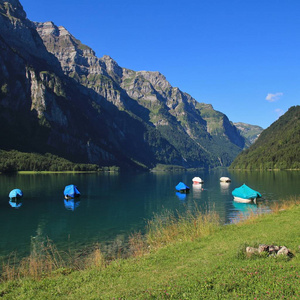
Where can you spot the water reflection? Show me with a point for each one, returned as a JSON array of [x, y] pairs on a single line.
[[181, 196], [224, 187], [245, 208], [71, 204], [15, 202], [241, 211], [197, 190]]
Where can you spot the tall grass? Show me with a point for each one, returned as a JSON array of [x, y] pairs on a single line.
[[37, 265], [168, 228], [50, 261], [283, 205]]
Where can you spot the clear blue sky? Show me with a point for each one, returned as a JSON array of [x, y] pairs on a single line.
[[241, 56]]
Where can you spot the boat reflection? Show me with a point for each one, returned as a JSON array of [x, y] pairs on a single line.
[[71, 204], [224, 187], [242, 211], [15, 203], [198, 186], [245, 208], [181, 196], [197, 190]]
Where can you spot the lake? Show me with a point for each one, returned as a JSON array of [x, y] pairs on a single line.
[[113, 205]]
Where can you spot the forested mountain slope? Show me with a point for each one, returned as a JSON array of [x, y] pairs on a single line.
[[278, 147]]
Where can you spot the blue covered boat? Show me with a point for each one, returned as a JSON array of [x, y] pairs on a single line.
[[245, 194], [71, 191], [182, 188], [15, 194]]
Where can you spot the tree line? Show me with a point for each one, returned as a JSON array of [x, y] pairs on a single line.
[[14, 161]]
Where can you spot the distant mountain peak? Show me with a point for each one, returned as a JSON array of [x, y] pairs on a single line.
[[250, 132]]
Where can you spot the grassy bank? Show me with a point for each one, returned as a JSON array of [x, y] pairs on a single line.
[[187, 258]]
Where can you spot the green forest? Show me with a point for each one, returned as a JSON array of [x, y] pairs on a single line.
[[14, 161], [278, 147]]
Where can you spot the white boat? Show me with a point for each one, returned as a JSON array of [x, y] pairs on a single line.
[[197, 180], [225, 179]]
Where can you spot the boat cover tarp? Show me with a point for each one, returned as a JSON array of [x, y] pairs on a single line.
[[197, 179], [245, 192], [71, 191], [15, 193], [181, 186]]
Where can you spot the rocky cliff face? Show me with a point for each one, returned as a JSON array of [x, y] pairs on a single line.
[[74, 104]]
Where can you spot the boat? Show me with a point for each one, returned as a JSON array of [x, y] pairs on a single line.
[[244, 194], [197, 180], [15, 194], [71, 191], [182, 188], [225, 179]]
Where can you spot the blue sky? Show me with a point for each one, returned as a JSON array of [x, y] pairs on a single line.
[[241, 56]]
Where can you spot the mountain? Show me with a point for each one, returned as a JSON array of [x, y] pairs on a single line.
[[277, 147], [250, 132], [58, 97]]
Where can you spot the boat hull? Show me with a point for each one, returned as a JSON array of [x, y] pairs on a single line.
[[225, 179], [184, 191], [67, 197], [243, 200]]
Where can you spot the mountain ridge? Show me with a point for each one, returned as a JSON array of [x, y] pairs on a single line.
[[91, 110]]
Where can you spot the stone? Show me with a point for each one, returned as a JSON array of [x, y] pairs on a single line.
[[283, 251], [252, 250], [263, 248]]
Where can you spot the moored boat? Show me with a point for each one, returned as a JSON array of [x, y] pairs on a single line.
[[225, 179], [15, 194], [245, 194], [182, 188], [71, 191], [197, 180]]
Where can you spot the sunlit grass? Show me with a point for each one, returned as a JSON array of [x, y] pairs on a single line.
[[167, 228]]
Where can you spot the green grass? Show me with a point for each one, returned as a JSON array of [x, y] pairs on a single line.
[[192, 258]]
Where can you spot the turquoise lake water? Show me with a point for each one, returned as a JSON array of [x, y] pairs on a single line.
[[114, 205]]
